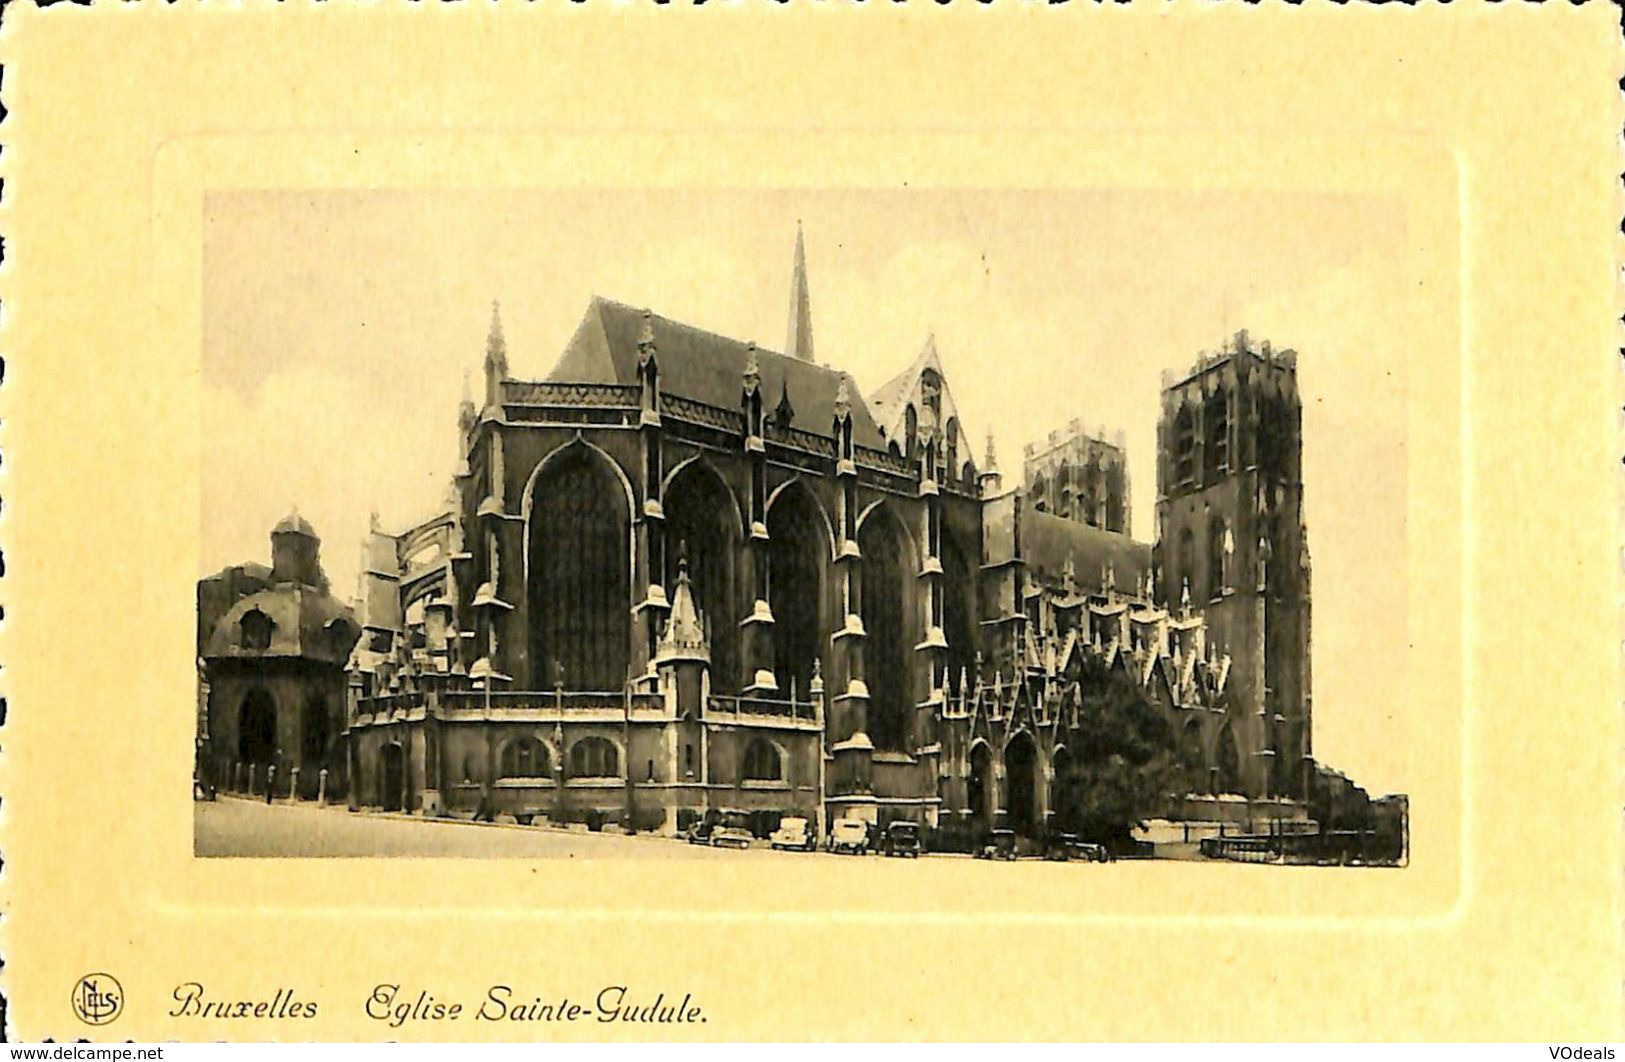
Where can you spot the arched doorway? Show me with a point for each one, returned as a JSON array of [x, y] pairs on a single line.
[[797, 548], [392, 777], [580, 585], [1020, 773], [1062, 798], [256, 728], [887, 668], [702, 523], [976, 795]]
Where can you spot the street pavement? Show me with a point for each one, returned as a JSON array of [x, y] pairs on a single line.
[[236, 827]]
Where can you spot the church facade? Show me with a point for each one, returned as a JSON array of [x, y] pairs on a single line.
[[682, 573]]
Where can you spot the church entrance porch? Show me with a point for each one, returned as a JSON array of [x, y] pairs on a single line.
[[1021, 767]]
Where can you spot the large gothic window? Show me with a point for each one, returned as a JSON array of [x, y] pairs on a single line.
[[1063, 491], [702, 522], [580, 585], [796, 551], [887, 667]]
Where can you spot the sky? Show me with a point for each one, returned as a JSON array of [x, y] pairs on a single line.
[[338, 326]]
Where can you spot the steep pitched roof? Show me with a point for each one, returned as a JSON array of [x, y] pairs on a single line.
[[705, 367], [891, 400], [1048, 542]]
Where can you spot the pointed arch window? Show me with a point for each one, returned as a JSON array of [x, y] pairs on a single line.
[[887, 670], [702, 524], [580, 590], [797, 548], [1218, 557], [1116, 509], [1184, 447], [1091, 492], [1216, 420]]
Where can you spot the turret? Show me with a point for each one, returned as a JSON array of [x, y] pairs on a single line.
[[295, 552]]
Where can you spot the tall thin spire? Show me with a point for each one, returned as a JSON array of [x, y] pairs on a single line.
[[799, 343], [496, 359]]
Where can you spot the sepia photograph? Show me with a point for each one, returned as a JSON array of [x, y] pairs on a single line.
[[1003, 550], [541, 525]]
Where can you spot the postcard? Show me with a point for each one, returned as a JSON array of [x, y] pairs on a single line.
[[731, 523]]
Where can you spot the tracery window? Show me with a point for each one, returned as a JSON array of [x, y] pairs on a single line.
[[702, 524], [580, 583], [887, 648], [796, 548]]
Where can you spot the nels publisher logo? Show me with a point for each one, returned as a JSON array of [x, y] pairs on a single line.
[[98, 998]]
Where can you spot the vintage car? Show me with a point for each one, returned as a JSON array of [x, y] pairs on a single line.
[[901, 839], [795, 834], [850, 836], [1089, 851], [699, 832], [1001, 844], [732, 830], [1060, 847]]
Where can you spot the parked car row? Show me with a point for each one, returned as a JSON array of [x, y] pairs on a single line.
[[851, 836], [1057, 847], [731, 829]]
